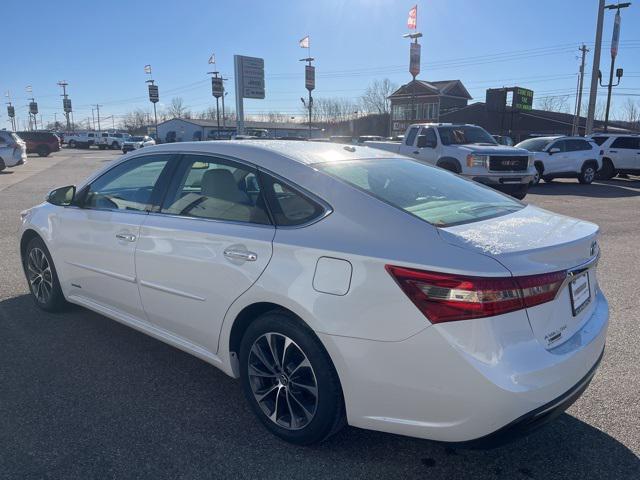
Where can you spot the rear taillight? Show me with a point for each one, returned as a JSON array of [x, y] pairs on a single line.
[[443, 297]]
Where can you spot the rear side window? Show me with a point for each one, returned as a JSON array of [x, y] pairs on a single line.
[[411, 136], [216, 189], [599, 140], [431, 194], [289, 206], [631, 143], [577, 145]]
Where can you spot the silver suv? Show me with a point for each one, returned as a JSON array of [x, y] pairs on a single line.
[[621, 154], [13, 150]]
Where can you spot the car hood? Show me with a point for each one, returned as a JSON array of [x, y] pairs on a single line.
[[494, 150], [529, 241]]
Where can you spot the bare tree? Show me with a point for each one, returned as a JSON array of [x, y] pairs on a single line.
[[554, 103], [136, 121], [177, 109], [631, 113], [376, 97]]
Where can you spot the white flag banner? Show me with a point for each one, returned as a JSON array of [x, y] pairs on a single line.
[[147, 69], [304, 43], [412, 21], [212, 58]]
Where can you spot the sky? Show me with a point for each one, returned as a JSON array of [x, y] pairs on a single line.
[[100, 49]]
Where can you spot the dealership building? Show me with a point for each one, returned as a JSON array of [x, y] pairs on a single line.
[[429, 100], [189, 130]]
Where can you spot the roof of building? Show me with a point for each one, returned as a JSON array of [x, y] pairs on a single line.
[[247, 124], [453, 88], [560, 118]]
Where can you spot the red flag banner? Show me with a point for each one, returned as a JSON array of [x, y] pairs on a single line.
[[412, 21]]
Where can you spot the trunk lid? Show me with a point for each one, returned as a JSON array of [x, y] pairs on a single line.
[[534, 241]]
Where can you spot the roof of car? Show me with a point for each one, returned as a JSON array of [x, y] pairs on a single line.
[[307, 153]]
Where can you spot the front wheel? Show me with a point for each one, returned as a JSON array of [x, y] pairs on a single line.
[[72, 144], [43, 151], [289, 380], [537, 176], [587, 175], [42, 277], [115, 145]]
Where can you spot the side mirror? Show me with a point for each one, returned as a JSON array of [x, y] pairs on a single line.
[[63, 196], [424, 143], [553, 150]]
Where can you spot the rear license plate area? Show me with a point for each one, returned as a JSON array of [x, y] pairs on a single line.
[[580, 292]]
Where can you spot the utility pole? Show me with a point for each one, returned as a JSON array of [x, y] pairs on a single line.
[[615, 38], [576, 123], [98, 114], [593, 92], [93, 117], [66, 103]]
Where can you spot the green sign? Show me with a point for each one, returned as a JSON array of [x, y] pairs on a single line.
[[522, 99]]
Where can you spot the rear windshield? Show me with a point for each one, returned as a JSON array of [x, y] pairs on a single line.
[[431, 194]]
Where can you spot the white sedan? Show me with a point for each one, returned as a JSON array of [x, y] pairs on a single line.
[[135, 143], [341, 284]]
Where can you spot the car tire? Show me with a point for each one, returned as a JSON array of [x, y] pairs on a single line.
[[43, 151], [607, 172], [587, 174], [297, 396], [115, 146], [520, 192], [72, 144], [537, 176], [450, 166], [42, 277], [547, 178]]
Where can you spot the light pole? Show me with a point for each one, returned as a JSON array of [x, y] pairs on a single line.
[[217, 90], [310, 84], [66, 103], [615, 38]]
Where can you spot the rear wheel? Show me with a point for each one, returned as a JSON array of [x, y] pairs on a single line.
[[43, 151], [607, 172], [42, 277], [547, 178], [72, 144], [587, 174], [289, 380], [115, 145]]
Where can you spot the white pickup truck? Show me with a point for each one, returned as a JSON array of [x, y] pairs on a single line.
[[112, 140], [467, 150]]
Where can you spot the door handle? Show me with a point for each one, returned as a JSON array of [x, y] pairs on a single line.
[[241, 255], [128, 237], [416, 152]]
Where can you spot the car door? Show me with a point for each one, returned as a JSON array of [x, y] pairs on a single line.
[[208, 243], [626, 151], [557, 162], [96, 239], [427, 152]]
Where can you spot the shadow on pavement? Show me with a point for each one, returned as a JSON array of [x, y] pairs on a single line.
[[615, 188], [85, 397]]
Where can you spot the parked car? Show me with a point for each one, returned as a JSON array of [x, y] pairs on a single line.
[[504, 140], [346, 139], [112, 140], [80, 139], [369, 138], [42, 143], [340, 284], [621, 154], [133, 143], [13, 150], [564, 157], [467, 150]]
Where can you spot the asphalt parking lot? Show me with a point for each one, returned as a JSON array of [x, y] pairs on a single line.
[[82, 396]]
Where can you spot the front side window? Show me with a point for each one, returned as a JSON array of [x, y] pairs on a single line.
[[631, 143], [561, 145], [411, 136], [216, 189], [431, 194], [127, 186], [578, 145], [599, 140], [431, 136]]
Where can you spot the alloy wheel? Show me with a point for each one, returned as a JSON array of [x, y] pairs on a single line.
[[589, 174], [39, 273], [282, 381]]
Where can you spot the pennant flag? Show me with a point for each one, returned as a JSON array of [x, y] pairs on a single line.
[[412, 21], [147, 69], [212, 59], [304, 43]]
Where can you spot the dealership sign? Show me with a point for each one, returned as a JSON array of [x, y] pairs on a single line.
[[414, 59], [522, 99], [310, 77]]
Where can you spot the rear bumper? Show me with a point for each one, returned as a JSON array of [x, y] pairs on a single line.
[[535, 419], [473, 382]]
